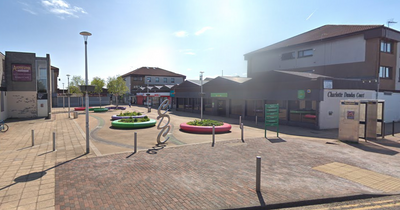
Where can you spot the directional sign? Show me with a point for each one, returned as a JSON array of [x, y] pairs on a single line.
[[271, 117]]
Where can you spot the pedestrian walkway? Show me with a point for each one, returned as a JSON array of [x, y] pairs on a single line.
[[186, 173]]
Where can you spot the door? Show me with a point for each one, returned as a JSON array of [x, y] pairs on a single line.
[[221, 108]]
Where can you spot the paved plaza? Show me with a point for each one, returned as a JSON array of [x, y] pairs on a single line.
[[301, 166]]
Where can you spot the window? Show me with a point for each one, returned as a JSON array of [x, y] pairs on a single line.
[[141, 78], [172, 80], [305, 53], [385, 72], [288, 56], [135, 78], [386, 46], [157, 79], [165, 80], [148, 79]]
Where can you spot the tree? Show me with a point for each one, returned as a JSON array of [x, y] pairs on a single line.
[[116, 86], [99, 84]]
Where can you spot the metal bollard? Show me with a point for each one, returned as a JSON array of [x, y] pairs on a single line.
[[240, 122], [33, 138], [213, 136], [256, 120], [258, 173], [393, 128], [54, 141], [241, 125], [135, 141]]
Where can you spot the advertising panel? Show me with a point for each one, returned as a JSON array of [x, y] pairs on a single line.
[[21, 72]]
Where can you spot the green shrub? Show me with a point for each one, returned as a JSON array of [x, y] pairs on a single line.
[[133, 120], [205, 122], [130, 114]]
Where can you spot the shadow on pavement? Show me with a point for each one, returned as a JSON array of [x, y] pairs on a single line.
[[386, 142], [276, 140], [371, 147], [315, 202]]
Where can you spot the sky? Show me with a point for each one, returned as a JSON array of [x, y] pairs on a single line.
[[182, 36]]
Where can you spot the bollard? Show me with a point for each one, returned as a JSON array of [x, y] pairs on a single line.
[[258, 173], [33, 138], [241, 125], [256, 120], [240, 122], [135, 141], [54, 141], [213, 136], [393, 128]]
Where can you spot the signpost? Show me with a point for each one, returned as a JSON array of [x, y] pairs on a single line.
[[271, 117]]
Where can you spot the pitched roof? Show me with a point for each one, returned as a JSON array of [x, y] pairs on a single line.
[[153, 71], [303, 74], [236, 79], [318, 34]]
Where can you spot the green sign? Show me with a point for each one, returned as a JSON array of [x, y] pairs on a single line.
[[271, 117], [219, 95], [301, 94]]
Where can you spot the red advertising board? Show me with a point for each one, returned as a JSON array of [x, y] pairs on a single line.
[[21, 72]]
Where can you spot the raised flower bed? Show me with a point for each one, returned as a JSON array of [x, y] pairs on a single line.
[[134, 123], [126, 115], [82, 108], [114, 107], [205, 126], [100, 110]]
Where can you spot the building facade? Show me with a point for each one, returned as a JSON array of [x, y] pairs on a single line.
[[308, 75], [151, 85], [27, 87]]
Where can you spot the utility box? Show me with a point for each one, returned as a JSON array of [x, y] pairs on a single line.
[[361, 119]]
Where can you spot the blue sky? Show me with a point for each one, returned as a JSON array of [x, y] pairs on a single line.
[[183, 36]]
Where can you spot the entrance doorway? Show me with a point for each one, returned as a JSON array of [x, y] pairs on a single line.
[[221, 108]]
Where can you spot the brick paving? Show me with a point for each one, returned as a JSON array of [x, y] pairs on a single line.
[[187, 175]]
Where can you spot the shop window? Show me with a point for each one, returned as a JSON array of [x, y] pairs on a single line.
[[303, 111], [148, 79], [181, 103], [254, 107], [208, 106], [165, 80], [196, 103], [386, 46], [141, 78], [385, 72], [236, 107], [188, 103], [305, 53], [288, 56]]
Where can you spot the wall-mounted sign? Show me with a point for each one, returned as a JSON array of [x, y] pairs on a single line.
[[172, 93], [328, 84], [219, 95], [21, 72], [301, 94], [332, 94]]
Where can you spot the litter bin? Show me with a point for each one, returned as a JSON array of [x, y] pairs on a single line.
[[75, 115], [148, 109]]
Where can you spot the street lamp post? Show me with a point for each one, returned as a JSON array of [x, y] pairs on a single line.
[[63, 97], [201, 95], [69, 96], [85, 35]]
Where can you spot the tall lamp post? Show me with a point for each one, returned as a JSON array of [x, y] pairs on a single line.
[[201, 95], [63, 97], [85, 35], [69, 96]]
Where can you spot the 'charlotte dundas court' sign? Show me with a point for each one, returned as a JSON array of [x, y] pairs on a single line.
[[345, 95]]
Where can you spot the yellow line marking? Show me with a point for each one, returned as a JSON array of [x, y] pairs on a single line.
[[366, 205]]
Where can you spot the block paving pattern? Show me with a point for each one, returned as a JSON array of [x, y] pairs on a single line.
[[205, 177]]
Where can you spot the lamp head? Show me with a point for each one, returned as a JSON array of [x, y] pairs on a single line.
[[85, 35]]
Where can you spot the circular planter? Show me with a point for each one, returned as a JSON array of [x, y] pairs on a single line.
[[118, 124], [115, 117], [100, 109], [205, 129], [81, 108], [114, 107]]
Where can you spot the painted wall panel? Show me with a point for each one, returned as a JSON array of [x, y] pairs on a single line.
[[22, 104]]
